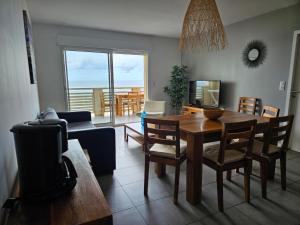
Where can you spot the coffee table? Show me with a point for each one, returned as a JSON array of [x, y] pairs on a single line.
[[135, 131]]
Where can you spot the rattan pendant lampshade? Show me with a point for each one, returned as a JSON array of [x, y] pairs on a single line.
[[202, 27]]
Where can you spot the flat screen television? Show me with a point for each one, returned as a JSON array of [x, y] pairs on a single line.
[[205, 93]]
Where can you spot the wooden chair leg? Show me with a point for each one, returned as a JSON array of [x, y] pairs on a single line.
[[220, 190], [146, 176], [177, 174], [264, 177], [228, 175], [283, 170], [247, 180]]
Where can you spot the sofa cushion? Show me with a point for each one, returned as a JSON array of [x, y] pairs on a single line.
[[49, 113], [80, 126]]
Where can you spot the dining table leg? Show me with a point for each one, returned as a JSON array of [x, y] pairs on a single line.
[[194, 168]]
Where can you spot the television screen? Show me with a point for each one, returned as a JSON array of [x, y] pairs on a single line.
[[204, 93]]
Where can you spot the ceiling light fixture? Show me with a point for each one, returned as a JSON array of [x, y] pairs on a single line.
[[202, 27]]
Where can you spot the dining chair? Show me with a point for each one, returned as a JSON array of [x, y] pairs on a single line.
[[164, 148], [228, 155], [131, 102], [248, 105], [270, 111], [154, 108], [273, 147], [136, 89]]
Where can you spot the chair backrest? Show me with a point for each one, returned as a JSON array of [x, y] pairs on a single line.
[[270, 111], [279, 130], [159, 131], [136, 89], [133, 96], [155, 106], [237, 135], [248, 105]]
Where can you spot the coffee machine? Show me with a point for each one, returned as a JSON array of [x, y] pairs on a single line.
[[44, 173]]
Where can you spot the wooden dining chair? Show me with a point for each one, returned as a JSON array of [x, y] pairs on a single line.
[[131, 102], [273, 147], [230, 155], [165, 148], [248, 105], [270, 111]]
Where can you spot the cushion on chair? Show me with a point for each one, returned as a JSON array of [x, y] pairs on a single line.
[[167, 150], [211, 152], [258, 147]]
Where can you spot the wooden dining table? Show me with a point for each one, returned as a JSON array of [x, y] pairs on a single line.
[[120, 97], [197, 130]]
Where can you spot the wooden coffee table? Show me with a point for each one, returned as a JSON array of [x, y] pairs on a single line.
[[135, 131]]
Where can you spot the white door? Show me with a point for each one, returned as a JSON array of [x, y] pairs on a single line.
[[295, 101]]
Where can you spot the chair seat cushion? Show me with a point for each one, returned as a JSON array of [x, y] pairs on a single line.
[[167, 150], [211, 152], [258, 147]]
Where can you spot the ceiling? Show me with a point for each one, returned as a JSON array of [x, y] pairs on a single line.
[[154, 17]]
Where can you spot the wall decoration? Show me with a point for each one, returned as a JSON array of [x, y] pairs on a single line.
[[29, 47], [254, 54]]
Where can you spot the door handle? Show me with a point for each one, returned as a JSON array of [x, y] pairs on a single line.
[[295, 92]]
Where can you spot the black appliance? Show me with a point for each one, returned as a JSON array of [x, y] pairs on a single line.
[[205, 93], [44, 173]]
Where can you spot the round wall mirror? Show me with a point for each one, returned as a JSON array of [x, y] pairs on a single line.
[[254, 54]]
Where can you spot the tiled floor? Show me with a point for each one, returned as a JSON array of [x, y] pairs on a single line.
[[124, 192]]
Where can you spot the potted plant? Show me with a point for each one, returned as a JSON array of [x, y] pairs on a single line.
[[177, 90]]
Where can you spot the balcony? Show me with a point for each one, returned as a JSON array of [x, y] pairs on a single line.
[[97, 101]]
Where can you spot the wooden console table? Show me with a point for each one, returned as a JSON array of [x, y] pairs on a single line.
[[86, 203]]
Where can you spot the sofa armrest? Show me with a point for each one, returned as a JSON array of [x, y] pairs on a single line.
[[72, 117], [101, 146]]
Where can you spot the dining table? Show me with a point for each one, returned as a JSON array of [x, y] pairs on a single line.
[[120, 98], [198, 130]]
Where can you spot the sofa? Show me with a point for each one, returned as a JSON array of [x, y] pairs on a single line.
[[98, 141]]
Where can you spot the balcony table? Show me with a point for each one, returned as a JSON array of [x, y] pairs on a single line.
[[120, 97]]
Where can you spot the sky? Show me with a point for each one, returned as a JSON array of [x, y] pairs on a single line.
[[90, 69]]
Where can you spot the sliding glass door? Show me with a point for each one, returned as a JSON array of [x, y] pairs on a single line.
[[88, 78], [111, 85]]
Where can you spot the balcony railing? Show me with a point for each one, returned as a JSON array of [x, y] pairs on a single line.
[[83, 98]]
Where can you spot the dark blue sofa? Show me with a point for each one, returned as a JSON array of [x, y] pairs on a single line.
[[98, 141]]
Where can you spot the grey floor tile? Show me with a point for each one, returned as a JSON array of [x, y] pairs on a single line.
[[130, 160], [133, 174], [233, 193], [292, 154], [117, 199], [165, 212], [207, 206], [292, 169], [108, 181], [255, 184], [156, 190], [128, 217], [273, 211], [229, 217]]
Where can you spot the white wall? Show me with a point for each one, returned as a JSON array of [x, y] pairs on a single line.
[[18, 98], [276, 30], [48, 39]]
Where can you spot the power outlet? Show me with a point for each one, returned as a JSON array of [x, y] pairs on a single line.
[[281, 86]]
